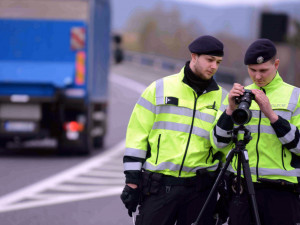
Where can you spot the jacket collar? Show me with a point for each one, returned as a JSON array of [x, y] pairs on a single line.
[[274, 84], [212, 86]]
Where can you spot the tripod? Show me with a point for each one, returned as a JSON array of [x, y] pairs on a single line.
[[243, 160]]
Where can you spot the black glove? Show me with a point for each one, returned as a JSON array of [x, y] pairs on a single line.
[[130, 197]]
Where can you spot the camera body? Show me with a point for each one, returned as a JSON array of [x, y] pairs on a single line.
[[242, 114]]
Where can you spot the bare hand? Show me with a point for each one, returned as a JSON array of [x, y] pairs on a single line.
[[265, 105], [237, 90]]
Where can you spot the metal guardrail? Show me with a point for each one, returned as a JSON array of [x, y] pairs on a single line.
[[224, 74]]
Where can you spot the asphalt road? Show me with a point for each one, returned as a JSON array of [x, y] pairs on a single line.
[[39, 187]]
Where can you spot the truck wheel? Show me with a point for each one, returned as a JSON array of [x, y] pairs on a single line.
[[81, 147], [98, 142]]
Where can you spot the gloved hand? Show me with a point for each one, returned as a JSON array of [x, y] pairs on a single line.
[[130, 197]]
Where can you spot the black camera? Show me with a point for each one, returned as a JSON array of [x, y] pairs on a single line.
[[242, 114]]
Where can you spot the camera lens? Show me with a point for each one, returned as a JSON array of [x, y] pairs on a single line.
[[241, 116]]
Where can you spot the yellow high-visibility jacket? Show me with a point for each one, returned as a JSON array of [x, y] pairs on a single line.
[[274, 151], [169, 128]]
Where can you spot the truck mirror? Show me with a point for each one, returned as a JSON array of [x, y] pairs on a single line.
[[118, 55]]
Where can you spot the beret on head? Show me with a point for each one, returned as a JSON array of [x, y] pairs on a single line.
[[207, 45], [260, 51]]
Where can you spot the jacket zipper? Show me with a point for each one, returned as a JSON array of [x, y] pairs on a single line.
[[188, 142], [258, 136], [158, 142]]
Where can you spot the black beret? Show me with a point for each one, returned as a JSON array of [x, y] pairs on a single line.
[[207, 45], [260, 51]]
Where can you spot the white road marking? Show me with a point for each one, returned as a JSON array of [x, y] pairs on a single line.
[[13, 201], [126, 82], [61, 187]]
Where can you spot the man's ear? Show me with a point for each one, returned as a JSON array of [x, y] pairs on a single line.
[[276, 63]]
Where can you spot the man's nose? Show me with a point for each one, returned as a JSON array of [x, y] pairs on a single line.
[[257, 76], [214, 65]]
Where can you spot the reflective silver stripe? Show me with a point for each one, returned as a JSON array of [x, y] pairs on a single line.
[[294, 99], [263, 129], [180, 127], [223, 107], [174, 167], [205, 117], [297, 149], [162, 166], [219, 144], [284, 114], [139, 153], [268, 171], [289, 136], [171, 109], [297, 112], [146, 104], [224, 94], [221, 132], [132, 166], [188, 169], [200, 132], [159, 92]]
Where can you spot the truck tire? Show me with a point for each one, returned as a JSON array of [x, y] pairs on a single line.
[[98, 142]]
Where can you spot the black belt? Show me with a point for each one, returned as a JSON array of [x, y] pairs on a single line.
[[277, 184], [179, 181]]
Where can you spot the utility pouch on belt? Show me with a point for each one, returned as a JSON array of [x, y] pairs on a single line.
[[151, 183]]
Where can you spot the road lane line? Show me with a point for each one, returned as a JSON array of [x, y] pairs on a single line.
[[126, 82], [53, 181]]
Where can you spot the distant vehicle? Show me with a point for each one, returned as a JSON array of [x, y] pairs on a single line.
[[54, 65]]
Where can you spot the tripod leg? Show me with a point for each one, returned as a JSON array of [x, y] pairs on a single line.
[[219, 178], [250, 186]]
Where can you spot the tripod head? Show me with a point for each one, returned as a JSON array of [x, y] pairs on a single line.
[[247, 136]]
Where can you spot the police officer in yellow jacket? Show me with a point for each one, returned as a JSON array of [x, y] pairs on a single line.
[[169, 162], [274, 151]]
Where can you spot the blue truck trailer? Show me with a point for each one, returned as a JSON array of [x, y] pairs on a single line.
[[54, 65]]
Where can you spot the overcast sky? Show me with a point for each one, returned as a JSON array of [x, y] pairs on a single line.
[[235, 2]]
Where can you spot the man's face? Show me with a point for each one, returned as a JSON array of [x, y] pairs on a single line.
[[205, 66], [263, 74]]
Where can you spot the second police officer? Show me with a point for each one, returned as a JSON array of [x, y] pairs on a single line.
[[169, 162], [274, 151]]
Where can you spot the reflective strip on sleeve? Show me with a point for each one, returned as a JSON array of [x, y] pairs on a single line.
[[132, 166], [139, 153], [290, 136], [221, 132], [294, 99], [180, 127], [219, 144], [146, 104], [297, 149], [159, 92]]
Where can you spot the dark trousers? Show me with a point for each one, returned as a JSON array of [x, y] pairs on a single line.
[[275, 207], [180, 204]]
